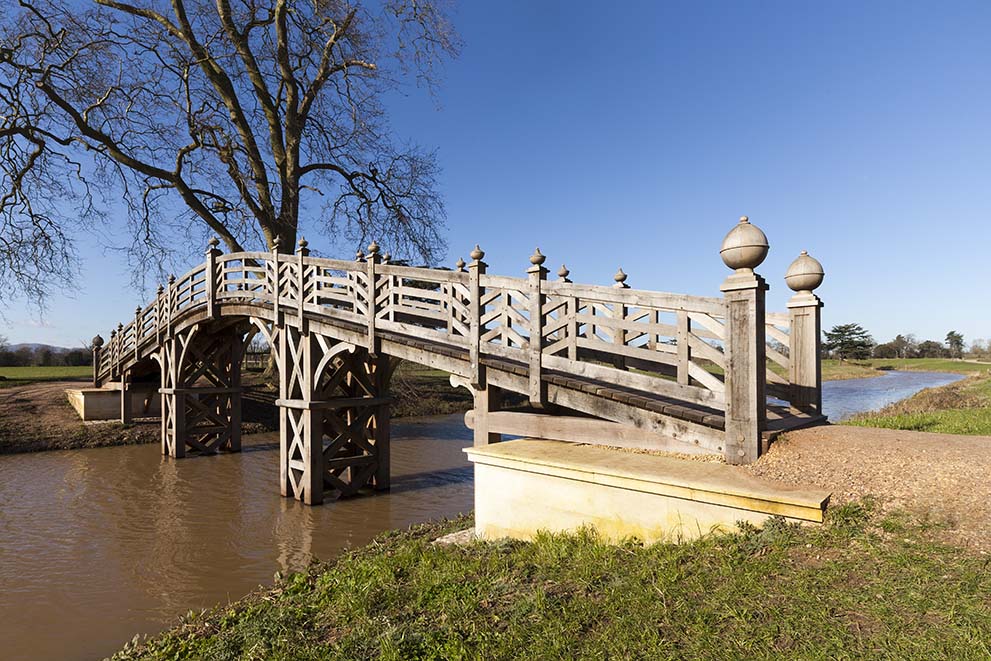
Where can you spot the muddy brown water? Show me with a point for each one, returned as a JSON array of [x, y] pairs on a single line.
[[98, 545]]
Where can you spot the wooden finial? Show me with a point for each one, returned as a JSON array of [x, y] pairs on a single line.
[[620, 279], [373, 248], [161, 289], [477, 253], [303, 242], [358, 256], [172, 278], [460, 264], [386, 258], [275, 243], [97, 341], [137, 309], [537, 258], [563, 272], [213, 243]]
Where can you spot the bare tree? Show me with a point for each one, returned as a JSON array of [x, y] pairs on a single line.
[[237, 118]]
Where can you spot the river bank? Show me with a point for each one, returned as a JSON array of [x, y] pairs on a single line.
[[866, 585], [963, 407], [36, 416]]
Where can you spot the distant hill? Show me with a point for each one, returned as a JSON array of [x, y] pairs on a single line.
[[36, 346]]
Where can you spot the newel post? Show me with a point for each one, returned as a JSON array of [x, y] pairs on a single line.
[[536, 275], [805, 350], [743, 249], [97, 352], [476, 269], [371, 262], [302, 252], [210, 275]]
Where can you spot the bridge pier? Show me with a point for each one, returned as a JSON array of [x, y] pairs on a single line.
[[333, 417], [201, 390]]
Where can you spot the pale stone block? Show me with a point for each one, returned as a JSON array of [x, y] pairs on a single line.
[[525, 486]]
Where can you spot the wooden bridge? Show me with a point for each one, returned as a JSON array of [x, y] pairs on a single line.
[[598, 364]]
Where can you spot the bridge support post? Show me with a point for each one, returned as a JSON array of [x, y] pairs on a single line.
[[333, 417], [744, 248], [487, 399], [125, 398], [201, 390]]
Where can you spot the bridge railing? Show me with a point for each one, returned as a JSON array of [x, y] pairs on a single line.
[[674, 345]]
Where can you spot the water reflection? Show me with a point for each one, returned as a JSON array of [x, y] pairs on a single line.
[[97, 545]]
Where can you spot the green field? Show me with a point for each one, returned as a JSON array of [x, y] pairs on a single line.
[[958, 408], [17, 376], [861, 587]]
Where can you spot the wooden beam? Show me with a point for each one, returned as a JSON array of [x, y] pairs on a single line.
[[577, 429]]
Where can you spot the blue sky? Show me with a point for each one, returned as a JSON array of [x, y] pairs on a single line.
[[636, 136]]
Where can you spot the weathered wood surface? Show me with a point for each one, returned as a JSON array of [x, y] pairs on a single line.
[[624, 354]]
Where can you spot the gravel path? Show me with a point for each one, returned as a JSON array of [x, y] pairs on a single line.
[[942, 476]]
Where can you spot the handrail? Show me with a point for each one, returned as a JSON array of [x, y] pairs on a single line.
[[673, 344]]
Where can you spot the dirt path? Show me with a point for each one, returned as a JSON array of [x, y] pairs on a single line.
[[942, 476]]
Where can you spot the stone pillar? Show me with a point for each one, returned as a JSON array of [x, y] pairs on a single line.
[[805, 347], [744, 248]]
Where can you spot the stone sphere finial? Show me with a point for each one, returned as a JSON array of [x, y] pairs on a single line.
[[477, 253], [537, 258], [744, 247], [460, 264], [620, 277], [563, 272], [805, 273], [97, 341]]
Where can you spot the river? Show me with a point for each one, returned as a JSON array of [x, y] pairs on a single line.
[[97, 545]]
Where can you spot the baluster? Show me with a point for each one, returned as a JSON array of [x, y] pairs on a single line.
[[537, 274]]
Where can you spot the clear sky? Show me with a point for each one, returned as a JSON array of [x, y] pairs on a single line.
[[635, 136]]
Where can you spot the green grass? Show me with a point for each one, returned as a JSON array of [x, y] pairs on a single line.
[[958, 408], [19, 376], [860, 587]]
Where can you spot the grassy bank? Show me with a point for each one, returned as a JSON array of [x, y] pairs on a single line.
[[958, 408], [862, 587], [19, 376], [833, 370]]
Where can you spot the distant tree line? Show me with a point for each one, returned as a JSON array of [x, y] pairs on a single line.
[[853, 342], [42, 356]]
